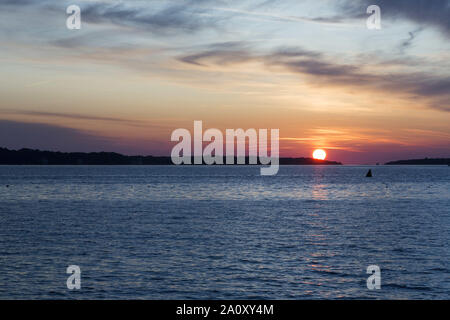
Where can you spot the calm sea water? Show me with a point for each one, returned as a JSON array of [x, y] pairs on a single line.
[[159, 232]]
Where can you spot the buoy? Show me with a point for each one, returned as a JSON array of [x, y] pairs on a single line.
[[369, 174], [7, 185]]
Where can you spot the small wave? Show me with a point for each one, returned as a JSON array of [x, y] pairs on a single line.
[[407, 287]]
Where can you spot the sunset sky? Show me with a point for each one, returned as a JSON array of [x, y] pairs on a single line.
[[137, 70]]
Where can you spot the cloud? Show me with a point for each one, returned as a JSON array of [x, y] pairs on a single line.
[[17, 2], [171, 18], [220, 53], [268, 15], [322, 70], [70, 116], [408, 42], [240, 51], [186, 17]]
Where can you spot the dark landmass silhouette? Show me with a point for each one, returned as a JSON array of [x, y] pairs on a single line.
[[426, 161], [38, 157]]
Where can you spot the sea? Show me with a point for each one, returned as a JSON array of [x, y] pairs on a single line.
[[225, 232]]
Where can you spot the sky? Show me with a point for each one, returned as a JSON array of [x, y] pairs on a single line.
[[138, 70]]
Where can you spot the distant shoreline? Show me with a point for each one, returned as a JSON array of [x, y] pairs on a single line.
[[38, 157], [426, 161]]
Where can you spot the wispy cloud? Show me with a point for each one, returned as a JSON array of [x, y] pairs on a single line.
[[160, 18], [408, 42], [69, 116], [220, 53], [185, 16], [321, 69], [283, 17]]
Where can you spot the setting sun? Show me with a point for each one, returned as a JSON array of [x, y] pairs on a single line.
[[319, 154]]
